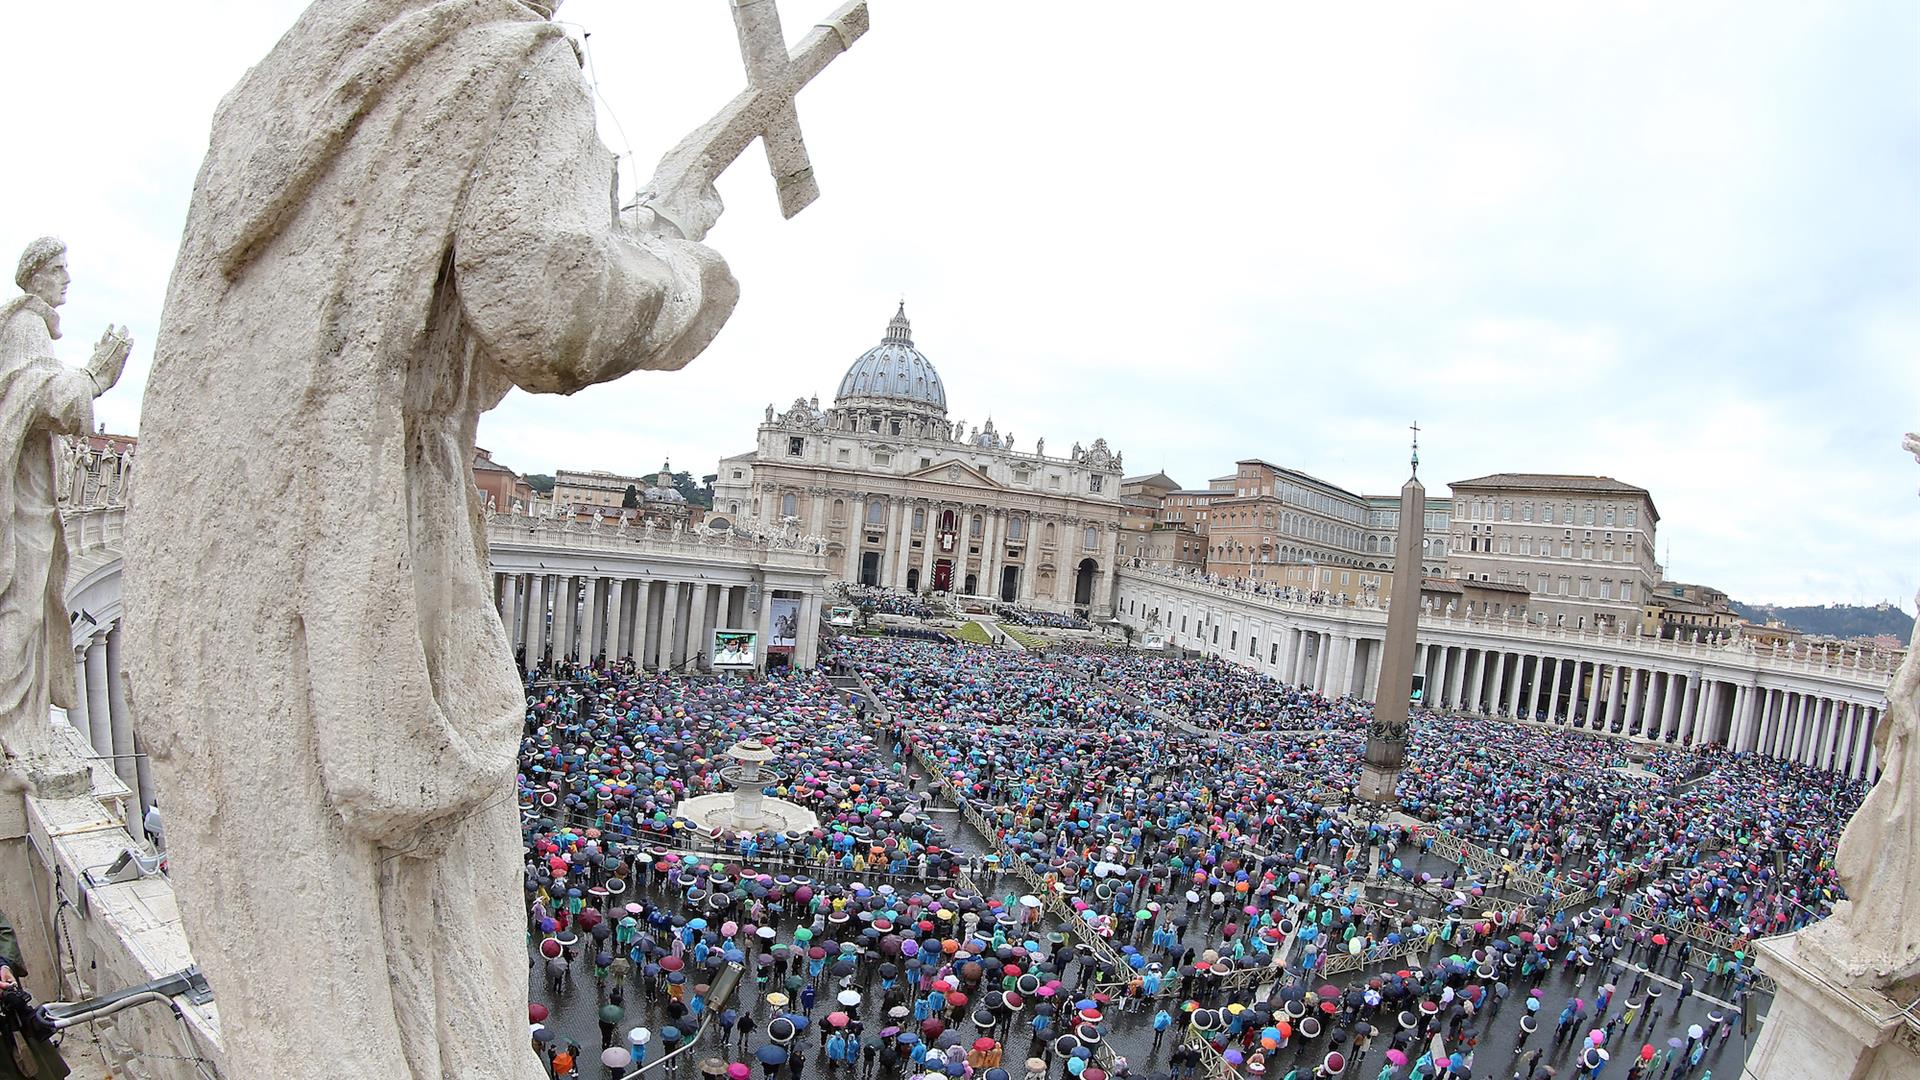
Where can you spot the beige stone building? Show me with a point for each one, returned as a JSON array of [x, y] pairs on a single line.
[[1267, 517], [908, 499], [1148, 533], [1581, 545]]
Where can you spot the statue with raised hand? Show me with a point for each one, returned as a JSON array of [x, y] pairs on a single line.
[[40, 399]]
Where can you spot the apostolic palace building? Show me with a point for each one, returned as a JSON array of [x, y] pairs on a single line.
[[908, 499]]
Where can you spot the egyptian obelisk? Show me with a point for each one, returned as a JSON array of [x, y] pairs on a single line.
[[1387, 733]]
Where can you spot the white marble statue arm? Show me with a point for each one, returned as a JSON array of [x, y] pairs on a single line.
[[559, 294]]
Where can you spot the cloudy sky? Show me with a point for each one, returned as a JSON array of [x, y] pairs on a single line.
[[1675, 244]]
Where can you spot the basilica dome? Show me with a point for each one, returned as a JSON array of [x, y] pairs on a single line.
[[893, 373]]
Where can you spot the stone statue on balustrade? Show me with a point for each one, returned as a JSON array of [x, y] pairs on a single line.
[[40, 400], [404, 211], [1873, 936]]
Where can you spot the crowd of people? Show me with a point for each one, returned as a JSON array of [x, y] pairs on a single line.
[[1189, 821], [1026, 616]]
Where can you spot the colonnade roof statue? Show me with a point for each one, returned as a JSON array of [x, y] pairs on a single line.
[[39, 398], [402, 213]]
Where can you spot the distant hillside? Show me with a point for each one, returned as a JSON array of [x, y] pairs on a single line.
[[1834, 620]]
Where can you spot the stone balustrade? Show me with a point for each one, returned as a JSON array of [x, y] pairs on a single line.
[[1818, 706]]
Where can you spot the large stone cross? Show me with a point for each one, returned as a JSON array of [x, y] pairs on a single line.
[[764, 110]]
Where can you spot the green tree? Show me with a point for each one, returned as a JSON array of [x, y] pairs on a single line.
[[631, 500], [540, 482]]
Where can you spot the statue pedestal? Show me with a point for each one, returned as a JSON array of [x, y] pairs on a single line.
[[1376, 784], [1820, 1030]]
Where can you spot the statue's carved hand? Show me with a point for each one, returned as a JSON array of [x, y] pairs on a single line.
[[110, 357]]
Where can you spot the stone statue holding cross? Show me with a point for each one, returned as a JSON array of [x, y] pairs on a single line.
[[404, 211]]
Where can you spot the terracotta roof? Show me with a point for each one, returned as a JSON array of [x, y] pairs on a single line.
[[1599, 485], [1551, 481]]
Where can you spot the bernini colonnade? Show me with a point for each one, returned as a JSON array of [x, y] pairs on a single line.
[[1810, 707]]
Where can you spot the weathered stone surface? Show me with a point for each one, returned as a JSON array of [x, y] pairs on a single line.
[[40, 398], [403, 211], [1873, 936]]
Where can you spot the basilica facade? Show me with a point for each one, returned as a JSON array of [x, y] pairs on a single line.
[[906, 498]]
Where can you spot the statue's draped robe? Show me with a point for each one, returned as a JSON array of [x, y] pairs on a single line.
[[1875, 932], [40, 398], [403, 210]]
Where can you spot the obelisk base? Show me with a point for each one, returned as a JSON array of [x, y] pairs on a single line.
[[1376, 784], [1820, 1030]]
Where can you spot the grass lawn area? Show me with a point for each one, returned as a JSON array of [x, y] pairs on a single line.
[[1031, 641], [975, 633]]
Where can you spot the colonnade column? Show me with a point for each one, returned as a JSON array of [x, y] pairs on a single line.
[[1857, 753], [618, 636], [669, 620], [697, 638], [121, 724], [593, 632], [99, 711], [1635, 713], [1496, 700], [1519, 683], [77, 712], [1476, 672], [1657, 729]]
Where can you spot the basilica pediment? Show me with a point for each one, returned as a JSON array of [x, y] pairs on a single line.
[[956, 472]]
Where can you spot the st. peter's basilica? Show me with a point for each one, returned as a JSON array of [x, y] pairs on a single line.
[[908, 499]]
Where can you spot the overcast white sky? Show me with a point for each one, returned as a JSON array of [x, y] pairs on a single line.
[[1672, 243]]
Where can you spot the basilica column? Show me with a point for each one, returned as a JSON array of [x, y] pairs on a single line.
[[927, 546], [897, 565], [816, 511], [889, 541], [989, 533], [856, 535]]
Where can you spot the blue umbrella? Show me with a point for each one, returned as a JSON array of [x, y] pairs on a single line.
[[771, 1054]]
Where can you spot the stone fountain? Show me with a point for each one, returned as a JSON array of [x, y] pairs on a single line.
[[747, 808]]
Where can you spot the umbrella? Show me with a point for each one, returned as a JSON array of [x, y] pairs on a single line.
[[771, 1054], [849, 998], [837, 1019]]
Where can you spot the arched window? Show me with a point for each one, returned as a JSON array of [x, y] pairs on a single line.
[[1016, 528]]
